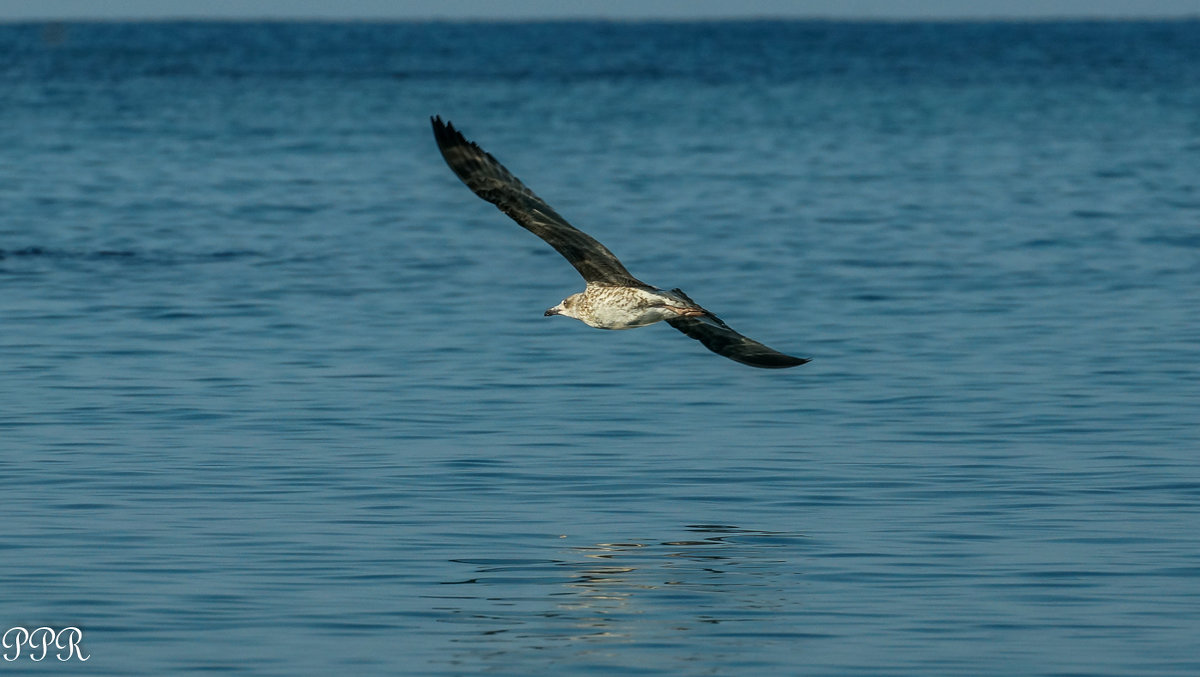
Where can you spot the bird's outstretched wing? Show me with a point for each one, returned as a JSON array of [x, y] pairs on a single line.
[[484, 175], [719, 338], [709, 330]]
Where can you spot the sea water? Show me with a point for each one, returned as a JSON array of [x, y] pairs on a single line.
[[277, 396]]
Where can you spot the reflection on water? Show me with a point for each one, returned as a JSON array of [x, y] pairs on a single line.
[[638, 594]]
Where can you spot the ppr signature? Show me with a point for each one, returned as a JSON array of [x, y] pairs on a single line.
[[45, 638]]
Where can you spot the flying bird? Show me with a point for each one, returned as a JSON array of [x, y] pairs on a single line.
[[613, 298]]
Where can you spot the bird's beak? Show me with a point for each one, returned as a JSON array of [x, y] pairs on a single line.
[[551, 311]]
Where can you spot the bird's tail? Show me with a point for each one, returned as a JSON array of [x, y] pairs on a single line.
[[707, 313]]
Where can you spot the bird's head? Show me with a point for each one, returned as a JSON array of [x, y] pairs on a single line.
[[567, 308]]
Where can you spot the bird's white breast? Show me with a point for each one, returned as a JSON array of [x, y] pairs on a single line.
[[625, 307]]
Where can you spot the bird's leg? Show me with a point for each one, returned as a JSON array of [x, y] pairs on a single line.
[[683, 311]]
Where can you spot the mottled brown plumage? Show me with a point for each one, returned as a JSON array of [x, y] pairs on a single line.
[[613, 298]]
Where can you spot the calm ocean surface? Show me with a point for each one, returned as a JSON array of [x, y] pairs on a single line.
[[277, 396]]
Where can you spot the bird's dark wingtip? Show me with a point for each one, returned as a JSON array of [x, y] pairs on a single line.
[[442, 131], [447, 136], [780, 361]]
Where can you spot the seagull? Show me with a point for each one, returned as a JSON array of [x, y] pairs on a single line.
[[613, 298]]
